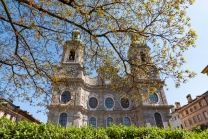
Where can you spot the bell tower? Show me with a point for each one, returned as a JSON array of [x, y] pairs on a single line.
[[138, 54], [73, 50]]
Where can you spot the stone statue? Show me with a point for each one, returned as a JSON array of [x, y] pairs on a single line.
[[76, 35]]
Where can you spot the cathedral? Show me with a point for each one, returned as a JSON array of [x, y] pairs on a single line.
[[78, 101]]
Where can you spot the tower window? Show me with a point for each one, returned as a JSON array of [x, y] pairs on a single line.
[[66, 96], [109, 120], [124, 102], [63, 119], [93, 102], [153, 98], [92, 121], [127, 121], [158, 120], [71, 55], [143, 56]]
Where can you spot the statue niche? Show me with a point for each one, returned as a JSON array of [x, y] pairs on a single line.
[[71, 55]]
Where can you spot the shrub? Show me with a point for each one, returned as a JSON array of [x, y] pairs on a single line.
[[27, 130]]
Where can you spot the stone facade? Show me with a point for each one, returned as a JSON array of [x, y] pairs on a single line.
[[105, 103]]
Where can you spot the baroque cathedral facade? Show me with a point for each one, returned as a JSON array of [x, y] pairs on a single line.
[[84, 104]]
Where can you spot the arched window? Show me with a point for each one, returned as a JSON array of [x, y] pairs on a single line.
[[124, 102], [143, 56], [153, 98], [158, 120], [71, 55], [63, 119], [109, 103], [93, 102], [92, 121], [66, 96], [127, 121], [109, 120]]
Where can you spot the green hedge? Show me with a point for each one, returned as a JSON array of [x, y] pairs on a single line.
[[26, 130]]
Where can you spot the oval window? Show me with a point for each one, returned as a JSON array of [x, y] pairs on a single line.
[[109, 103], [93, 102], [65, 96], [124, 102]]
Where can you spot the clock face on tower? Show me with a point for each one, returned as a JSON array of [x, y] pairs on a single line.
[[70, 70]]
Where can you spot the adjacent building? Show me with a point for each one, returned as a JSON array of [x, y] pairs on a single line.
[[14, 113], [175, 120], [86, 104], [195, 112]]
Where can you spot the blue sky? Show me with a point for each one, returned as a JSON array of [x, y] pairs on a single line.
[[197, 59]]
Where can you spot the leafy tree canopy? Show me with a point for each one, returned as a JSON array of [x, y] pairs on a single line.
[[34, 31]]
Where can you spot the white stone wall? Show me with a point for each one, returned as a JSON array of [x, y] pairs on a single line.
[[175, 121]]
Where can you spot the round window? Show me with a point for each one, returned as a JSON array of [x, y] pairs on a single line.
[[109, 103], [153, 98], [66, 96], [124, 102], [93, 102]]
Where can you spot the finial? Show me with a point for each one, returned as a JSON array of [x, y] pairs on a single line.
[[138, 39], [76, 35]]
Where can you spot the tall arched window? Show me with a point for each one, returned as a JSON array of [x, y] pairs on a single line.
[[127, 121], [158, 120], [92, 121], [63, 119], [109, 120], [71, 55]]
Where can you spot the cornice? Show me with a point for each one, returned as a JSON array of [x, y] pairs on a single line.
[[100, 87]]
